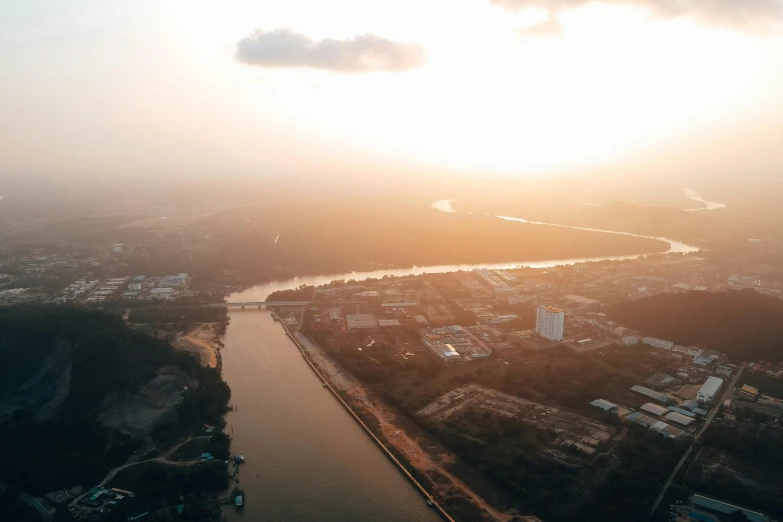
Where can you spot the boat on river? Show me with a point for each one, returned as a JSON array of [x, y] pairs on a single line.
[[239, 498]]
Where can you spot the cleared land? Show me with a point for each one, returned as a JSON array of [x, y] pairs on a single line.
[[202, 341], [569, 429]]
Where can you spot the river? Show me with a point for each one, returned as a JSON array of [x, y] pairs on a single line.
[[695, 196], [306, 457]]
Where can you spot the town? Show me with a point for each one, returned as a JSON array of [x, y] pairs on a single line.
[[688, 393], [479, 324]]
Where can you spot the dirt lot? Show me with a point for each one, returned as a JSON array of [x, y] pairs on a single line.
[[688, 391]]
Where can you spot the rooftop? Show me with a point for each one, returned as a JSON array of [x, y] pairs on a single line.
[[361, 321]]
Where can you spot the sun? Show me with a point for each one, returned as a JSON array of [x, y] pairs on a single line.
[[610, 85]]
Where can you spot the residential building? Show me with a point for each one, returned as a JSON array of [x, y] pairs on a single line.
[[550, 322]]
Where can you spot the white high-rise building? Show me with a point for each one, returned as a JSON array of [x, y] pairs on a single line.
[[549, 322]]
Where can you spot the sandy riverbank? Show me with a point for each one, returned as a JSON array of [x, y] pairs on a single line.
[[204, 341], [432, 461]]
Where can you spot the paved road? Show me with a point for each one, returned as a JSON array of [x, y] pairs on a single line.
[[707, 422]]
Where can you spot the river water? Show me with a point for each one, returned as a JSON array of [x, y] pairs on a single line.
[[307, 459], [695, 196]]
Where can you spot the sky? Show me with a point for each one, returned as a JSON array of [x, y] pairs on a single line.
[[307, 88]]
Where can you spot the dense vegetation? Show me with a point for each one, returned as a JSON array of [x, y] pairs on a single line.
[[302, 293], [105, 356], [757, 451], [181, 318], [341, 236], [742, 324], [154, 479], [613, 487]]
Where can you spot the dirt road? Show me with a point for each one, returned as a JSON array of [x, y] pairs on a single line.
[[163, 459]]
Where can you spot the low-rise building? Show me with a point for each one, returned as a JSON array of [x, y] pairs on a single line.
[[709, 390], [660, 397], [679, 418], [161, 293], [748, 393], [604, 405], [723, 370], [658, 343], [654, 409], [361, 321]]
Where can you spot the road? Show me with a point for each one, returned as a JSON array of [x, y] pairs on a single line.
[[707, 422], [163, 459]]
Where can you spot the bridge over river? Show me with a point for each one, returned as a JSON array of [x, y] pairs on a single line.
[[260, 303]]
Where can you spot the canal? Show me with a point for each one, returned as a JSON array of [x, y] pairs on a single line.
[[307, 459]]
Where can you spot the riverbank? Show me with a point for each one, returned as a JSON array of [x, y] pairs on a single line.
[[440, 486], [203, 341]]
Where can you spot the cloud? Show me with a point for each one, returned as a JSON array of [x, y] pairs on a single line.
[[740, 13], [283, 48], [551, 26]]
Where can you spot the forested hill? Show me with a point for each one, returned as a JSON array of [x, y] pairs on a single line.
[[57, 366], [743, 324]]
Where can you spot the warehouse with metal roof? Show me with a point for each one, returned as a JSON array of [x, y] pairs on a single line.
[[654, 409], [681, 411], [359, 321], [679, 418], [725, 508], [660, 397], [604, 404], [709, 389]]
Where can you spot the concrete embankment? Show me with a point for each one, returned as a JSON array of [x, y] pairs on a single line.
[[378, 442]]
